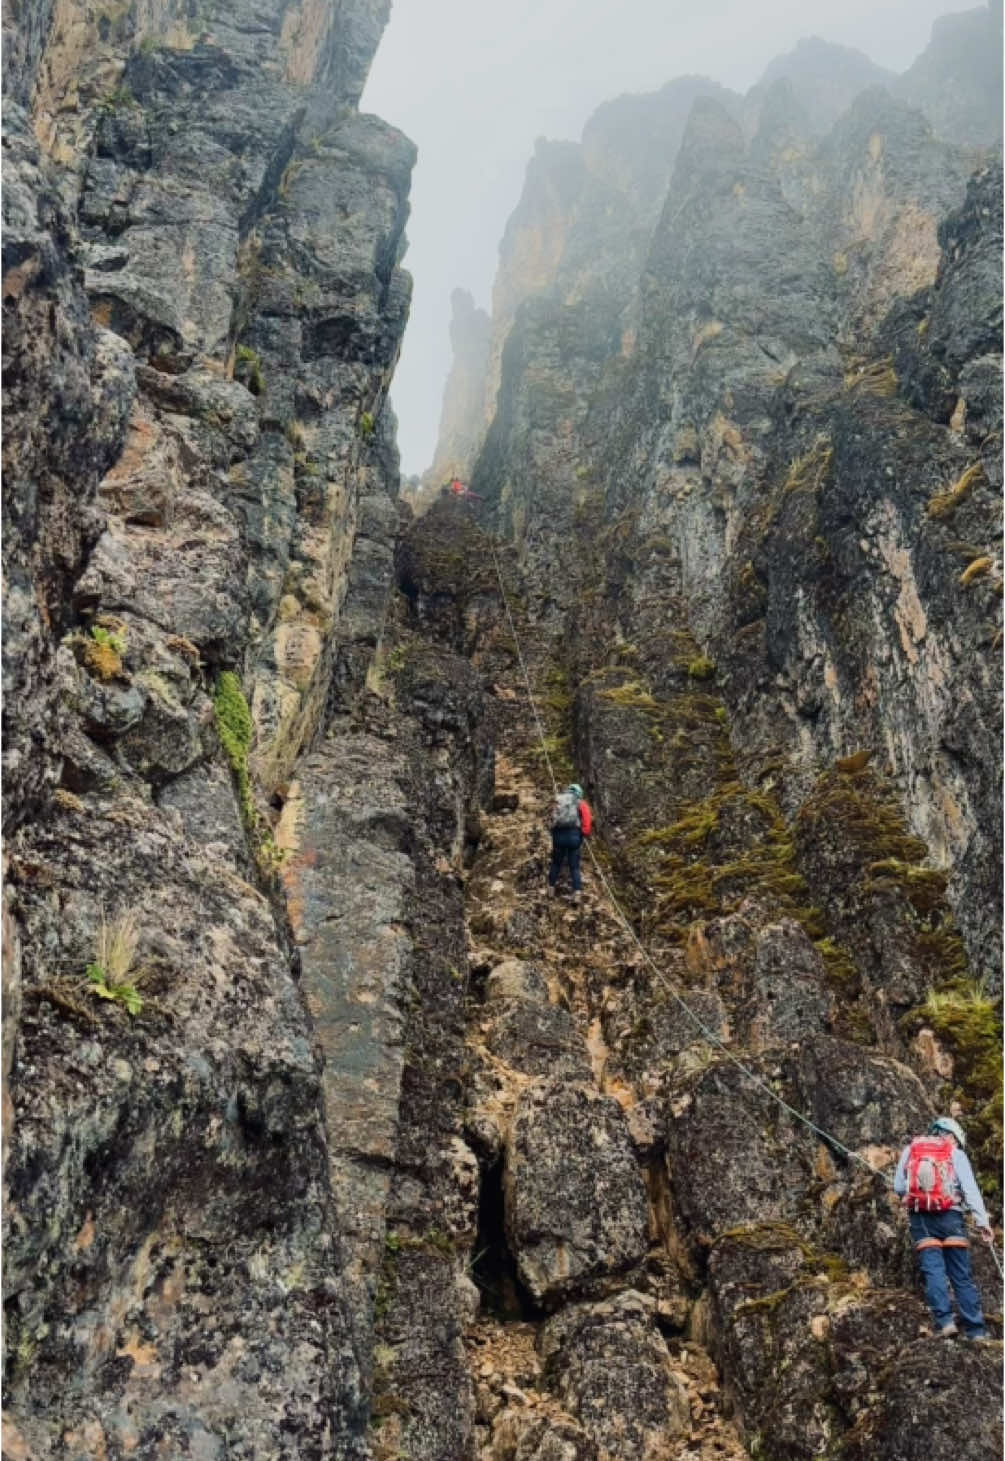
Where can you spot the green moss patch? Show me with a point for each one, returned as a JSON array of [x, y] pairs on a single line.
[[967, 1021]]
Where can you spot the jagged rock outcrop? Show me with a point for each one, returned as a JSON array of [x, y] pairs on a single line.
[[466, 405], [824, 78], [328, 1133], [196, 362], [753, 491], [957, 79], [776, 286]]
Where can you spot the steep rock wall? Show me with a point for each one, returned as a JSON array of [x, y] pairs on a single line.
[[399, 1156], [763, 545], [772, 346], [465, 408], [202, 309]]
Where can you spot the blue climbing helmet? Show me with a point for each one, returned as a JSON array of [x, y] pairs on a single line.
[[949, 1127], [576, 789]]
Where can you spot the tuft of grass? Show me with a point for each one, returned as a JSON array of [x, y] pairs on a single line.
[[701, 668], [367, 425], [924, 887], [233, 726], [975, 569], [248, 370], [632, 694], [873, 378], [109, 638], [966, 1019], [102, 661], [103, 651], [807, 472], [944, 504], [112, 973]]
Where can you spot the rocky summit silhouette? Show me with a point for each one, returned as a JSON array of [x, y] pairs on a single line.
[[329, 1131]]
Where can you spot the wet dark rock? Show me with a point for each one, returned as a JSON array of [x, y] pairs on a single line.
[[67, 396]]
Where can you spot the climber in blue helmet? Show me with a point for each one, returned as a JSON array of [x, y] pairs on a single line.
[[936, 1181], [571, 822]]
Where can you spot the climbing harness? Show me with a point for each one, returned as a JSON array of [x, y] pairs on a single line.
[[705, 1031]]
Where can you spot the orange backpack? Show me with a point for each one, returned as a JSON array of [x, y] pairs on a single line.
[[931, 1176]]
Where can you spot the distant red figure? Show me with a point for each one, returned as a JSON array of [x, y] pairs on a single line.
[[457, 489]]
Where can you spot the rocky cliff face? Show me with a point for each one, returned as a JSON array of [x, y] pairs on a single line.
[[761, 535], [202, 311], [465, 408], [772, 333], [327, 1133]]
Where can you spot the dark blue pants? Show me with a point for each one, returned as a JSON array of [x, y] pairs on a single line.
[[562, 849], [940, 1241]]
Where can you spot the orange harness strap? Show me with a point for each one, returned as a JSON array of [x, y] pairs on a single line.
[[928, 1243], [955, 1243]]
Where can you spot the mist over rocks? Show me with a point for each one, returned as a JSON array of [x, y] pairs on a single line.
[[329, 1130]]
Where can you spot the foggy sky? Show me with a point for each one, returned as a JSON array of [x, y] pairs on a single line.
[[474, 83]]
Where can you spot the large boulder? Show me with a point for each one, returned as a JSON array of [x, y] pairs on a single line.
[[576, 1208], [612, 1370]]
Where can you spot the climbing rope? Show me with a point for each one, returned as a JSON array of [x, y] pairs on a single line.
[[706, 1033]]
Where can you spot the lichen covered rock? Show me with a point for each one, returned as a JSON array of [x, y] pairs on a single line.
[[576, 1208]]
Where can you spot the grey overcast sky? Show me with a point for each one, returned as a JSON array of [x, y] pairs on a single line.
[[473, 84]]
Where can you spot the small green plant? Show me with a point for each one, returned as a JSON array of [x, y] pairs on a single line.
[[367, 425], [108, 973], [304, 466], [103, 650], [701, 668], [119, 99], [233, 726], [248, 370], [109, 638]]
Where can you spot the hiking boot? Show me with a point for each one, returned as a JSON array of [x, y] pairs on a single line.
[[948, 1331], [982, 1338]]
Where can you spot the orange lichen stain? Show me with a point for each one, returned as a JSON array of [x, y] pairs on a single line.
[[300, 40], [16, 280], [15, 1447], [142, 434], [85, 1237], [102, 660], [143, 1356]]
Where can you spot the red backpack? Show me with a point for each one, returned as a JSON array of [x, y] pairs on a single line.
[[931, 1176], [585, 819]]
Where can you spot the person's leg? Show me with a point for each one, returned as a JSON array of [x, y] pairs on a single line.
[[956, 1253], [574, 870], [927, 1235], [556, 863]]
